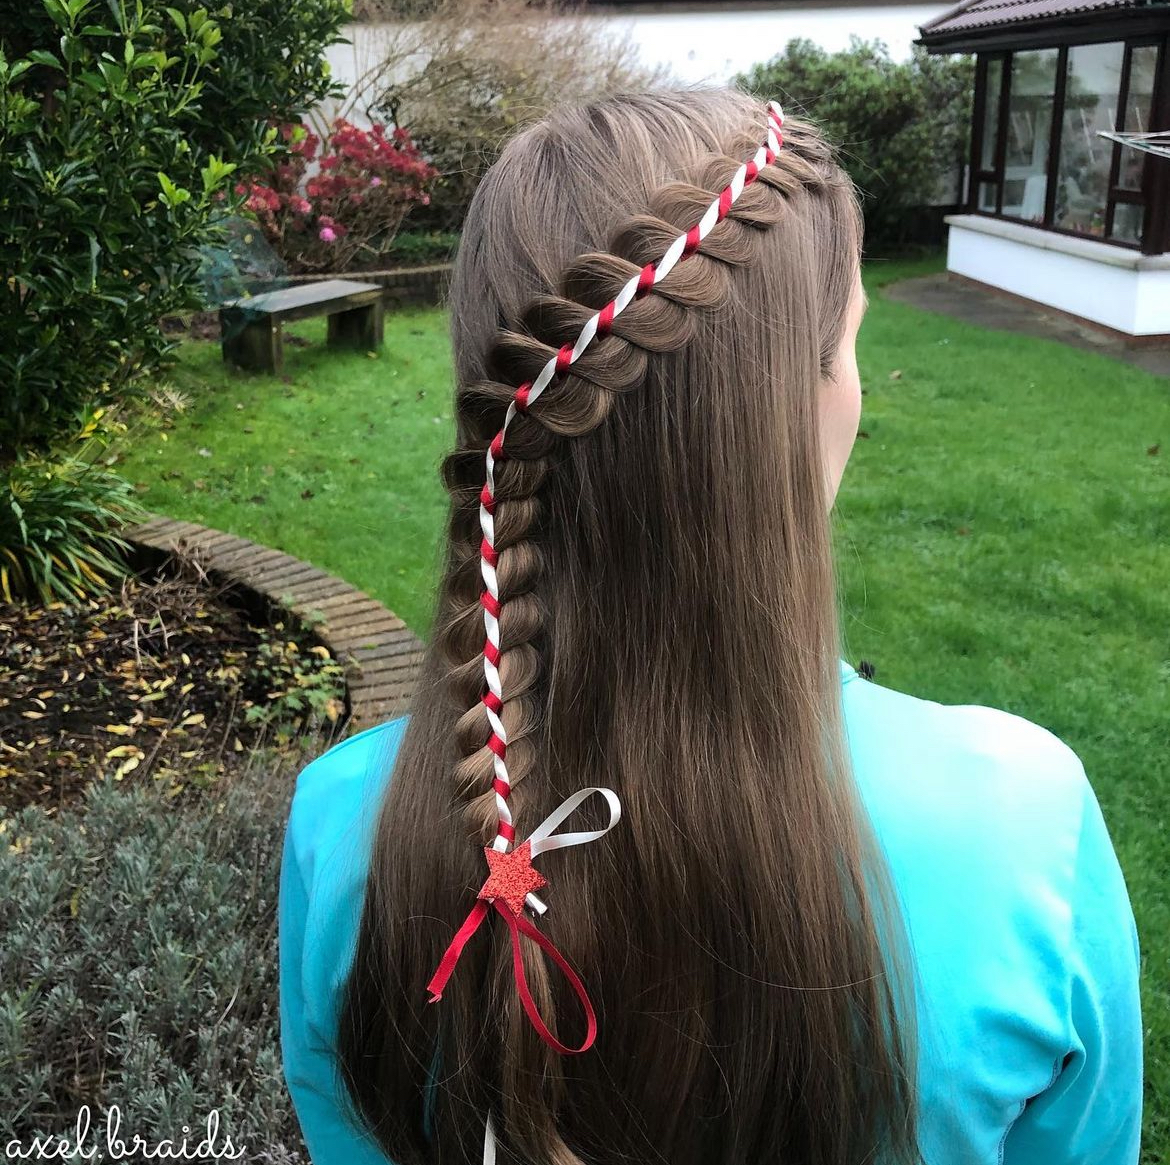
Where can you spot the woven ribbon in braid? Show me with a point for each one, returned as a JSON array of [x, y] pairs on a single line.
[[512, 878]]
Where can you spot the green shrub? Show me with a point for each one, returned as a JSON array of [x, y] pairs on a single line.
[[139, 964], [902, 126], [102, 209], [419, 248], [59, 517], [120, 126]]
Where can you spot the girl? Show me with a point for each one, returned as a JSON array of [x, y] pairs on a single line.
[[828, 923]]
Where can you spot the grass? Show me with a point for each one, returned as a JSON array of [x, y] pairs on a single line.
[[1003, 532], [336, 462]]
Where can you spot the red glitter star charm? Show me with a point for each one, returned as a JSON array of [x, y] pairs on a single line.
[[512, 876]]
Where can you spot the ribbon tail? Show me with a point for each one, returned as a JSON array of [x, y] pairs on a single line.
[[518, 925], [455, 949], [489, 1142]]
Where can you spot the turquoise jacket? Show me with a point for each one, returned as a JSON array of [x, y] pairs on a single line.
[[1026, 948]]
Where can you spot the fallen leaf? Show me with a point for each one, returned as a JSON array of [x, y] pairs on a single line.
[[127, 766], [195, 719], [204, 452], [896, 374], [1154, 450], [120, 729]]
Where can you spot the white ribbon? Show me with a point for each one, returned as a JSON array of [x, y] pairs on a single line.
[[543, 838]]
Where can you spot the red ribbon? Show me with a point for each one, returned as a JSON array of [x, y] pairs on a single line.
[[517, 925]]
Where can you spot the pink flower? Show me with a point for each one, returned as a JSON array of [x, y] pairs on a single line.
[[375, 181], [327, 234]]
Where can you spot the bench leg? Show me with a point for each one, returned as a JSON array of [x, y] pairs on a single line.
[[359, 327], [254, 345]]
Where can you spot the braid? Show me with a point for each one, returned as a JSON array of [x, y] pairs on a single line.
[[575, 403]]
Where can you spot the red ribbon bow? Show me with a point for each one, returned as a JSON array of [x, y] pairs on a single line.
[[511, 880]]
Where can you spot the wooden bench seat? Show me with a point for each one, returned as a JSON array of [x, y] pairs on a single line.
[[251, 327]]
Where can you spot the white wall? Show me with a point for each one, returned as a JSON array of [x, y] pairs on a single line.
[[707, 46], [1109, 285]]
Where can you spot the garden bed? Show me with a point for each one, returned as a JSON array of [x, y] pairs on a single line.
[[173, 680]]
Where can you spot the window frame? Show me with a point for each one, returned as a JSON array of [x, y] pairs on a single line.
[[1154, 194]]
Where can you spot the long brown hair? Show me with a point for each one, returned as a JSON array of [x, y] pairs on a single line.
[[669, 628]]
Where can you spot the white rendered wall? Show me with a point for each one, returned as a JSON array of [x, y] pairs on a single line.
[[708, 46], [1109, 285]]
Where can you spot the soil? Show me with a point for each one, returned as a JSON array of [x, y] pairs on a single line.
[[169, 680], [199, 325]]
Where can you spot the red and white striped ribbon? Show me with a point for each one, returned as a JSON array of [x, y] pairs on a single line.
[[597, 325]]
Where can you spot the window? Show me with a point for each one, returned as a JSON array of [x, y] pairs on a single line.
[[1128, 218], [1029, 123], [1092, 84], [988, 197], [1036, 153]]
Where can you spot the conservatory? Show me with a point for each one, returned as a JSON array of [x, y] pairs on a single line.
[[1067, 191]]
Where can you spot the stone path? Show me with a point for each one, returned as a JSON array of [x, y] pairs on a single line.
[[946, 295], [381, 654]]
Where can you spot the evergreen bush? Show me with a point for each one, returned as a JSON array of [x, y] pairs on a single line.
[[139, 964], [902, 126], [122, 123]]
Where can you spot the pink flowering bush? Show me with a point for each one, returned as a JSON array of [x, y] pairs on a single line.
[[342, 215]]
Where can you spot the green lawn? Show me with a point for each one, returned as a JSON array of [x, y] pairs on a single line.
[[1003, 534], [336, 462]]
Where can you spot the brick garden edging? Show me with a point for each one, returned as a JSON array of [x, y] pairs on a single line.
[[381, 655]]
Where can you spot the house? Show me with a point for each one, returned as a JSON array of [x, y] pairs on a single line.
[[1067, 199]]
